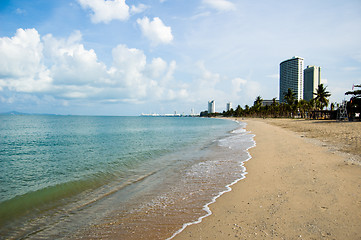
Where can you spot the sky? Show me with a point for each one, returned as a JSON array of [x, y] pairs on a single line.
[[124, 58]]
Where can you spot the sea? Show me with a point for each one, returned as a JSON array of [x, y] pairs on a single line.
[[94, 177]]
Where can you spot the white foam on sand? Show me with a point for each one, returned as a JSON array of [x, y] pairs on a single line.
[[238, 131]]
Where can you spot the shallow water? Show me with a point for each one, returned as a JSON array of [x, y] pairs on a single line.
[[129, 177]]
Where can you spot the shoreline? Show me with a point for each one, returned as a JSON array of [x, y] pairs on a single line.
[[306, 191], [228, 187]]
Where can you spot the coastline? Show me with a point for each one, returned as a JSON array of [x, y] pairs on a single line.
[[228, 187], [307, 191]]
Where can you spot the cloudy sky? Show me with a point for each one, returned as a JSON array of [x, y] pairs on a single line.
[[118, 57]]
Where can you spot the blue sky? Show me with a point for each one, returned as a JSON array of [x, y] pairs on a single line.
[[97, 57]]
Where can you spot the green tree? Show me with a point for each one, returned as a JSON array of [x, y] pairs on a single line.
[[238, 111], [303, 106], [246, 109], [274, 108], [257, 104], [321, 97], [290, 97]]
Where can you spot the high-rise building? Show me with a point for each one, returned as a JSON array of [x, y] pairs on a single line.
[[312, 78], [291, 76], [229, 106], [211, 106]]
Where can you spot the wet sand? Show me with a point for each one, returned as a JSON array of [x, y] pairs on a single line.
[[299, 185]]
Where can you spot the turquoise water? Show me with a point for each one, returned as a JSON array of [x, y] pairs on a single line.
[[51, 165]]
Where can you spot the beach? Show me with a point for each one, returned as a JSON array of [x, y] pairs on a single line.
[[303, 182]]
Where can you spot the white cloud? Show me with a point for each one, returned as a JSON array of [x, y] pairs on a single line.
[[237, 85], [138, 9], [155, 30], [106, 10], [220, 5], [21, 62], [206, 85], [169, 74], [71, 62], [157, 67], [130, 64], [64, 69], [137, 79]]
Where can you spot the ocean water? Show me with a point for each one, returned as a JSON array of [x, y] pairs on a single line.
[[68, 177]]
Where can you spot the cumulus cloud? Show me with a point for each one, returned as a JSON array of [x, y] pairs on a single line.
[[155, 30], [71, 62], [220, 5], [65, 70], [106, 10], [21, 62], [130, 64]]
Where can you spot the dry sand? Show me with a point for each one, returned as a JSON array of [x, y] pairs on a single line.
[[296, 187]]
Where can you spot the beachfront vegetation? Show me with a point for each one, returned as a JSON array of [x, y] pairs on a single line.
[[316, 108], [322, 96], [291, 108]]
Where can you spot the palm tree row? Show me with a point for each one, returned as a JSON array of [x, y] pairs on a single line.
[[291, 108]]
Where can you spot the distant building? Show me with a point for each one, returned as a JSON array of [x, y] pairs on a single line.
[[211, 106], [229, 106], [312, 78], [268, 102], [291, 76]]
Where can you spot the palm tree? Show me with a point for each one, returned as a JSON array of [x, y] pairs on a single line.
[[246, 109], [238, 112], [321, 96], [303, 106], [257, 104], [290, 97], [274, 107]]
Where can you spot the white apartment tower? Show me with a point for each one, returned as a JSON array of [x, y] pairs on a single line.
[[312, 78], [211, 106], [291, 76], [229, 106]]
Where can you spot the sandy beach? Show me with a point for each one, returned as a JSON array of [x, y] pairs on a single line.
[[303, 182]]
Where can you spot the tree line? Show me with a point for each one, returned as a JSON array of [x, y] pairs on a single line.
[[291, 108]]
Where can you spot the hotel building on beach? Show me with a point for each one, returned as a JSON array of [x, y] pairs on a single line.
[[211, 106], [291, 76], [228, 106], [312, 78]]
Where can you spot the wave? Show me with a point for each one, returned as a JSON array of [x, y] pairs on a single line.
[[50, 198], [42, 200], [230, 141]]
